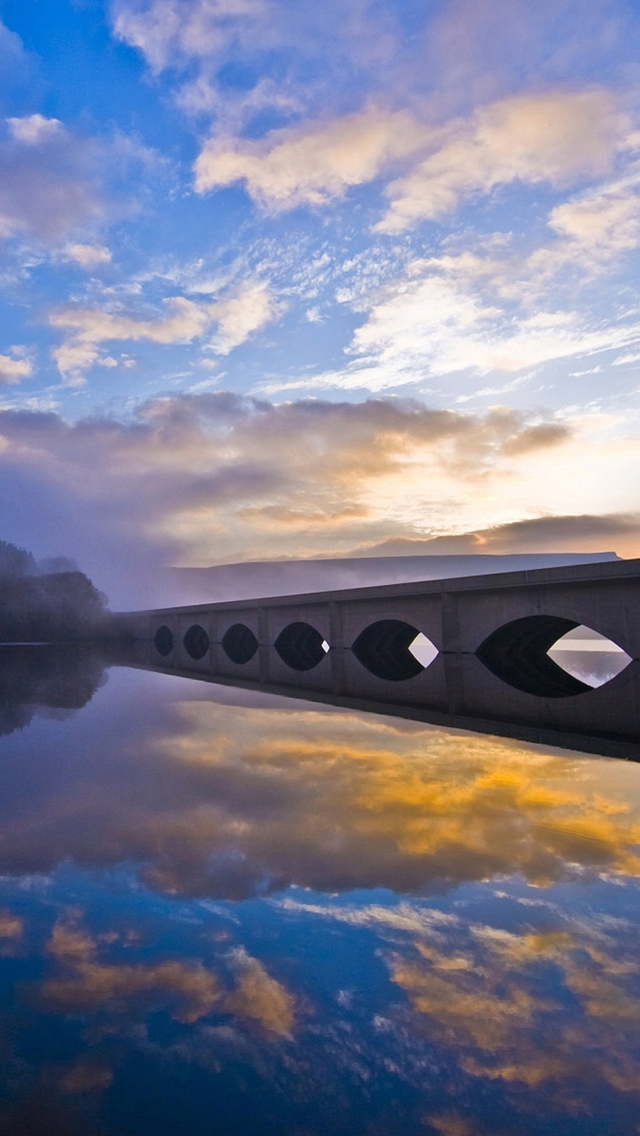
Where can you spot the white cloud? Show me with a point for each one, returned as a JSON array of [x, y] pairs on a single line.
[[609, 219], [87, 256], [414, 918], [48, 180], [13, 370], [558, 137], [624, 360], [73, 359], [237, 315], [90, 326], [448, 315], [310, 165], [594, 231], [168, 31], [185, 321], [35, 129]]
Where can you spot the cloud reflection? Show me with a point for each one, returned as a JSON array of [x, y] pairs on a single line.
[[88, 985], [502, 1000], [231, 802], [480, 981]]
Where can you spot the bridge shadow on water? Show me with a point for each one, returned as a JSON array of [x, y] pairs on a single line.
[[549, 720]]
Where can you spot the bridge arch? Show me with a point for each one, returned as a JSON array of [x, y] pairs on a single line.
[[239, 644], [517, 654], [163, 640], [384, 649], [301, 646], [196, 642]]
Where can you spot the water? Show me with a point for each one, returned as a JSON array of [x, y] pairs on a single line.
[[222, 912]]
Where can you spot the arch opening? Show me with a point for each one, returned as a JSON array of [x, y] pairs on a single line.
[[239, 644], [196, 642], [301, 647], [394, 650], [517, 653], [163, 640], [589, 656]]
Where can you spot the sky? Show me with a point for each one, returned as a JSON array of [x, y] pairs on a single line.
[[281, 279]]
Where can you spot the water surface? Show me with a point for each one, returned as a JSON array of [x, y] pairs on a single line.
[[228, 913]]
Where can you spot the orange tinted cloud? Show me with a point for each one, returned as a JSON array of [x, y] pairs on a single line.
[[487, 1002], [333, 801], [189, 990], [259, 996], [11, 926]]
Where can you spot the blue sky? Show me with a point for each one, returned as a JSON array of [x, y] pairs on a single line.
[[288, 279]]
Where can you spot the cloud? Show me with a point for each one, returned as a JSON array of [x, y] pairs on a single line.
[[18, 69], [214, 478], [14, 369], [170, 31], [35, 129], [594, 232], [185, 321], [574, 532], [558, 137], [292, 56], [478, 311], [86, 1076], [248, 801], [475, 50], [244, 311], [92, 985], [87, 256], [189, 990], [582, 533], [310, 166], [478, 994], [302, 61], [259, 996], [49, 180], [609, 218], [11, 926]]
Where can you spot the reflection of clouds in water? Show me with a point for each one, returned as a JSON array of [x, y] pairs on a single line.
[[11, 926], [230, 802], [486, 998], [88, 985], [555, 1006], [484, 994], [258, 996]]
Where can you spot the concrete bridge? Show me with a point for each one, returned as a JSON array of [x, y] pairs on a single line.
[[490, 635]]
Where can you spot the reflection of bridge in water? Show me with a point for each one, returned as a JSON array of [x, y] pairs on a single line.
[[484, 640]]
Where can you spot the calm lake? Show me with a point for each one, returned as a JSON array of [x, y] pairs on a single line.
[[229, 913]]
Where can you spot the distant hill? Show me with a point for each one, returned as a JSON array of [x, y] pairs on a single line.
[[289, 577]]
